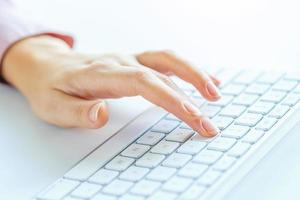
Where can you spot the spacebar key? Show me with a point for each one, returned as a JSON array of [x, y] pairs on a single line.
[[98, 158]]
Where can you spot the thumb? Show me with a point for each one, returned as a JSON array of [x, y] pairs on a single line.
[[98, 114], [69, 111]]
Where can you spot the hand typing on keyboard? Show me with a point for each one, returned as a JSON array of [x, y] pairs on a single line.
[[68, 89]]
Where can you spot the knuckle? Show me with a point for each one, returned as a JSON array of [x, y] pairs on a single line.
[[143, 76], [166, 53], [98, 66]]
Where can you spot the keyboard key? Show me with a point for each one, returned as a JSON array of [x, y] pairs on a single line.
[[257, 89], [235, 131], [226, 75], [104, 197], [183, 84], [233, 89], [179, 135], [197, 95], [273, 96], [184, 126], [209, 177], [245, 99], [207, 157], [177, 184], [145, 187], [192, 170], [176, 160], [134, 173], [222, 122], [59, 189], [253, 136], [86, 190], [291, 99], [210, 111], [223, 101], [150, 138], [165, 147], [150, 160], [131, 197], [270, 77], [297, 89], [266, 124], [249, 119], [200, 138], [221, 144], [279, 111], [191, 147], [194, 192], [163, 195], [135, 150], [119, 163], [233, 111], [247, 77], [261, 107], [198, 101], [161, 173], [285, 85], [294, 76], [68, 198], [224, 163], [239, 149], [172, 117], [103, 176], [165, 126], [117, 187]]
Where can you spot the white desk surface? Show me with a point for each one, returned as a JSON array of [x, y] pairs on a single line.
[[256, 33]]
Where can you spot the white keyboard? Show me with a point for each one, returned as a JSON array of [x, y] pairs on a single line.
[[167, 160]]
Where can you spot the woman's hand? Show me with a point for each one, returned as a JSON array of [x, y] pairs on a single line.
[[68, 89]]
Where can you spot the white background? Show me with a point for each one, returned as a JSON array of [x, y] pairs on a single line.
[[252, 33]]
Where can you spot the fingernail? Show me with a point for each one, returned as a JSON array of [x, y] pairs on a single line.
[[93, 113], [212, 89], [209, 127], [191, 108]]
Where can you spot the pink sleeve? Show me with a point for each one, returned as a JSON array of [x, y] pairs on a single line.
[[14, 27]]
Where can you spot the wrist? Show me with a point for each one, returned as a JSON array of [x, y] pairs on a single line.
[[34, 60]]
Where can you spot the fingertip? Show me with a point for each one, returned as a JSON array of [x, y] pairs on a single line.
[[216, 81], [205, 127], [212, 90]]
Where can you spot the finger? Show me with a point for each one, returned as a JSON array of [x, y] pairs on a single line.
[[115, 82], [68, 111], [159, 93], [216, 81], [132, 61], [170, 63], [168, 81]]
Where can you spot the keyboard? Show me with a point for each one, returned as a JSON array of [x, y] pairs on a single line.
[[157, 156]]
